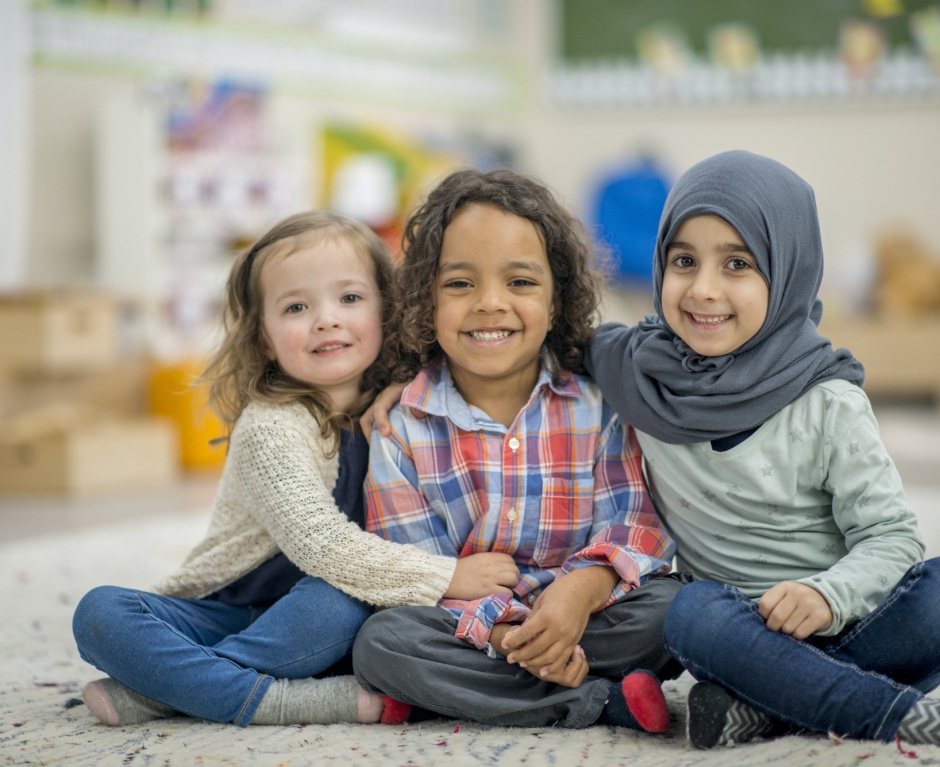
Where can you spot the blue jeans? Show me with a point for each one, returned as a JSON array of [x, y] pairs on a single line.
[[860, 683], [208, 659]]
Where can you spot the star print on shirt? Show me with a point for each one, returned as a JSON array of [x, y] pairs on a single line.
[[796, 435], [767, 470], [830, 550], [708, 496], [853, 448]]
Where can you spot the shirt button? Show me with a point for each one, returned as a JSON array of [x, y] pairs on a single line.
[[511, 515], [532, 599], [514, 444]]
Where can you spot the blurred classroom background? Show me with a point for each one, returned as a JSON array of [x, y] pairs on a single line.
[[144, 142]]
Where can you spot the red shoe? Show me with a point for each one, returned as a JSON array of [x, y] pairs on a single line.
[[645, 701], [395, 712]]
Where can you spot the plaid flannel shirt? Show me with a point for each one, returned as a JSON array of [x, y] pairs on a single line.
[[560, 489]]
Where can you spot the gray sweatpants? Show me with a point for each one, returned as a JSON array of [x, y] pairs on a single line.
[[412, 655]]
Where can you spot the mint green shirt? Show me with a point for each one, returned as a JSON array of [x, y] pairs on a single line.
[[812, 496]]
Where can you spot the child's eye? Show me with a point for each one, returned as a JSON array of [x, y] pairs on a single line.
[[521, 282], [457, 284], [350, 298], [682, 262], [739, 264], [295, 308]]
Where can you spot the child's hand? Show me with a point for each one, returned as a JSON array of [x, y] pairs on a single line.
[[480, 575], [571, 675], [377, 413], [547, 643], [795, 609]]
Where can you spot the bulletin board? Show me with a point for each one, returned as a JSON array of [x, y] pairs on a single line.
[[607, 29]]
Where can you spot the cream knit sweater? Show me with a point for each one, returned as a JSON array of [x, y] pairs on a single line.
[[275, 494]]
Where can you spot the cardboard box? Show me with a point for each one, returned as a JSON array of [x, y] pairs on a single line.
[[58, 332], [88, 456], [121, 389]]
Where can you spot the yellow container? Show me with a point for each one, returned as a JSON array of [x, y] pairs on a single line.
[[173, 395]]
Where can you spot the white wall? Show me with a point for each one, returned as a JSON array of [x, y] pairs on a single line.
[[14, 81], [61, 231], [869, 165]]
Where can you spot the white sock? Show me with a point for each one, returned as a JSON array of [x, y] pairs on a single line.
[[331, 700], [114, 704]]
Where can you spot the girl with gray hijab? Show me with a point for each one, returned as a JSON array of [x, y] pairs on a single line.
[[811, 607]]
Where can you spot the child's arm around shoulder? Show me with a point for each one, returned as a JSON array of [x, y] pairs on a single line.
[[280, 474]]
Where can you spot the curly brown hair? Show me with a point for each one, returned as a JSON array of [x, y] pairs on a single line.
[[571, 257], [240, 371]]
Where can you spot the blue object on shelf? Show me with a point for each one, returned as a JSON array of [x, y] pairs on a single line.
[[628, 205]]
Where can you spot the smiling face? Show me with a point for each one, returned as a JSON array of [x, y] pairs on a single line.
[[493, 301], [322, 314], [713, 296]]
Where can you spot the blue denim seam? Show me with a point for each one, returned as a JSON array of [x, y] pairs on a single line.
[[884, 719], [911, 579], [247, 704]]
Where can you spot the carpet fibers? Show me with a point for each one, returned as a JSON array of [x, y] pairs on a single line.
[[44, 722]]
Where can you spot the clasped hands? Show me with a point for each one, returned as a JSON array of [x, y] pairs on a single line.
[[546, 644]]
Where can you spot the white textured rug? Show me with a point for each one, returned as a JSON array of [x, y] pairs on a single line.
[[43, 722]]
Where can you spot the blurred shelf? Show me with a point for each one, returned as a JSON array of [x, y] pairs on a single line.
[[125, 44], [900, 356]]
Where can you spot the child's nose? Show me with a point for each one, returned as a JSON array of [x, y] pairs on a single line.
[[491, 300], [704, 286], [326, 319]]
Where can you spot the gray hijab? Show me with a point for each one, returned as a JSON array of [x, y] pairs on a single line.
[[660, 385]]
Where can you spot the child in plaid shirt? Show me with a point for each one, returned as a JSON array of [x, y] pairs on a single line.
[[501, 445]]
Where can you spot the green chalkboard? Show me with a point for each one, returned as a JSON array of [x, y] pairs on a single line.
[[607, 29]]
